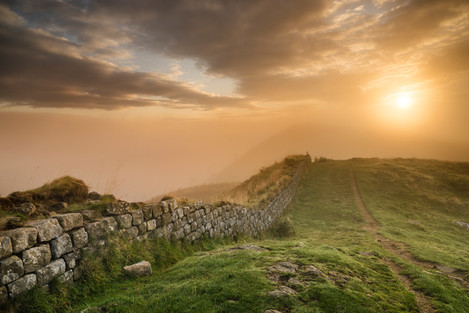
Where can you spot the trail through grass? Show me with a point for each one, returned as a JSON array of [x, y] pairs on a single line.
[[340, 267]]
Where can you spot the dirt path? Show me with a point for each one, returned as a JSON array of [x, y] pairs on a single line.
[[395, 248]]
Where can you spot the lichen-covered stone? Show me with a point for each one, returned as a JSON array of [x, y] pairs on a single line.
[[51, 271], [61, 245], [124, 221], [147, 212], [71, 259], [22, 285], [66, 278], [5, 247], [151, 225], [26, 208], [70, 221], [79, 238], [142, 228], [35, 258], [3, 295], [46, 229], [137, 217], [99, 229], [142, 268], [22, 238], [116, 208], [11, 269], [157, 210]]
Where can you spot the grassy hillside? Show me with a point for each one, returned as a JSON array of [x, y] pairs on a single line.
[[335, 263]]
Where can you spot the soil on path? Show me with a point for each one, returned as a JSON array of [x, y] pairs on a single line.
[[395, 248]]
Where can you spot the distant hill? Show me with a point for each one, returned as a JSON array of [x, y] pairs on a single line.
[[336, 143]]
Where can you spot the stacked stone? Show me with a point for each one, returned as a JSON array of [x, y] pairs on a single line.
[[52, 248]]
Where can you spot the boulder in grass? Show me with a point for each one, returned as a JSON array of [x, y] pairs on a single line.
[[142, 268]]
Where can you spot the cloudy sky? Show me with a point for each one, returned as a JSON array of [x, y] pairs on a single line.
[[138, 97]]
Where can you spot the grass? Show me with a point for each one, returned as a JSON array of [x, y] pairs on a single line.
[[262, 187], [323, 228], [418, 202]]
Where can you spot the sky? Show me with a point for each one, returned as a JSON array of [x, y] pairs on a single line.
[[142, 97]]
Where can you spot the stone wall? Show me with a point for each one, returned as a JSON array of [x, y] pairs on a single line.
[[49, 248]]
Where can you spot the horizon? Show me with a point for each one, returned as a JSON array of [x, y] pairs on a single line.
[[142, 98]]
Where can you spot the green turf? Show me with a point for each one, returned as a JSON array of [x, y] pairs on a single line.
[[328, 234]]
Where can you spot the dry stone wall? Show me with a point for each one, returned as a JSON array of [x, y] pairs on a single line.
[[52, 248]]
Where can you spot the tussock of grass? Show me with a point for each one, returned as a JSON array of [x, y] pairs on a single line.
[[64, 189]]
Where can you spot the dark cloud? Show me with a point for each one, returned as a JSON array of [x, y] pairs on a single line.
[[41, 70], [72, 53]]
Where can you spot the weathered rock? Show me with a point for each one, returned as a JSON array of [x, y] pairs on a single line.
[[90, 215], [313, 271], [66, 278], [3, 295], [11, 269], [94, 196], [250, 247], [11, 222], [166, 218], [79, 238], [272, 311], [26, 208], [51, 271], [22, 238], [117, 208], [21, 285], [445, 269], [61, 245], [142, 228], [71, 259], [58, 206], [282, 291], [46, 229], [70, 221], [99, 229], [5, 247], [295, 282], [157, 210], [151, 225], [284, 267], [36, 258], [147, 212], [142, 268], [137, 217], [124, 221]]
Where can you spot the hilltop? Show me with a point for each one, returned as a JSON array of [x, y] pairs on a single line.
[[361, 235]]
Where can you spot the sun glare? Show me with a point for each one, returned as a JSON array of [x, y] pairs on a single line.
[[403, 101]]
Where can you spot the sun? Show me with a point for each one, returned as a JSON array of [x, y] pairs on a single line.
[[403, 100]]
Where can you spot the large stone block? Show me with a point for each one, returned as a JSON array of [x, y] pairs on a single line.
[[3, 295], [137, 217], [157, 210], [22, 285], [51, 271], [11, 269], [148, 212], [46, 229], [117, 208], [99, 229], [151, 225], [22, 238], [36, 258], [61, 245], [6, 248], [66, 278], [142, 228], [79, 238], [70, 221], [71, 259], [142, 268], [124, 221]]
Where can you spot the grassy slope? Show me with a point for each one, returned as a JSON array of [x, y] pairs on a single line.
[[418, 202], [329, 235]]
